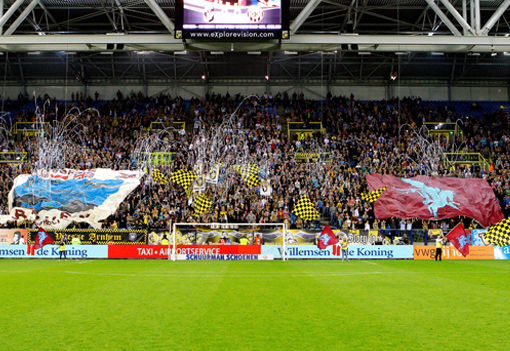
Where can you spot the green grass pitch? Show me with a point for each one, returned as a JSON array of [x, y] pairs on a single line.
[[217, 305]]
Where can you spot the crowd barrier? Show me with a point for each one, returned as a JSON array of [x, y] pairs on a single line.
[[138, 244], [207, 236]]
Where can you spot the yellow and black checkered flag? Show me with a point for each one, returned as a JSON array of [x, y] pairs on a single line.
[[305, 209], [249, 173], [183, 177], [499, 234], [373, 195], [201, 204], [159, 177]]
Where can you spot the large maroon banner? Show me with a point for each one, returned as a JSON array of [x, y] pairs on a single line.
[[435, 198]]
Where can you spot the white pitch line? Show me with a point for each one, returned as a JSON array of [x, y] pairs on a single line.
[[248, 275], [242, 275], [82, 262], [372, 263]]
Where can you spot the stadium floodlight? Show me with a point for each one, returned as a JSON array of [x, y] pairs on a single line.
[[172, 246]]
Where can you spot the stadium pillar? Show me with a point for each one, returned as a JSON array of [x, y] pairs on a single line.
[[464, 14], [1, 14]]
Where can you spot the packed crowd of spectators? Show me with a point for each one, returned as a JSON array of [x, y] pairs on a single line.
[[360, 136]]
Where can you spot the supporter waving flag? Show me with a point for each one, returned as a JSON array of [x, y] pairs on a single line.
[[327, 238], [457, 236], [42, 239]]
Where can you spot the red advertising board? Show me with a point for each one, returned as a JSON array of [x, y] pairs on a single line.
[[162, 251]]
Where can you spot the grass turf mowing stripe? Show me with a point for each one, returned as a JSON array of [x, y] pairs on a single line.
[[216, 305]]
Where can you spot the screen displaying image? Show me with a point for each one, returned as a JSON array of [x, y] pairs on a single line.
[[233, 14]]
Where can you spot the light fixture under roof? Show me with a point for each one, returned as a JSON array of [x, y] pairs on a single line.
[[254, 53], [180, 52], [217, 52], [364, 53], [33, 53], [290, 52]]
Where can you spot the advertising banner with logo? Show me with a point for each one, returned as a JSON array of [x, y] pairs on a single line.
[[476, 239], [52, 251], [433, 234], [161, 251], [12, 236], [310, 237], [502, 253], [451, 253], [210, 235], [101, 236], [221, 257], [359, 237], [331, 252]]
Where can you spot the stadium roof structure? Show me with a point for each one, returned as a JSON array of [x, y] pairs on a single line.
[[336, 40]]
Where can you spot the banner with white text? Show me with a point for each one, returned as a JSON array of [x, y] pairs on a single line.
[[57, 199]]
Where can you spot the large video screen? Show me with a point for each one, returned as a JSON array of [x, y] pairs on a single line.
[[233, 19]]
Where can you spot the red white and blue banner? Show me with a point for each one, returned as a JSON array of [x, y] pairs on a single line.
[[56, 199]]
